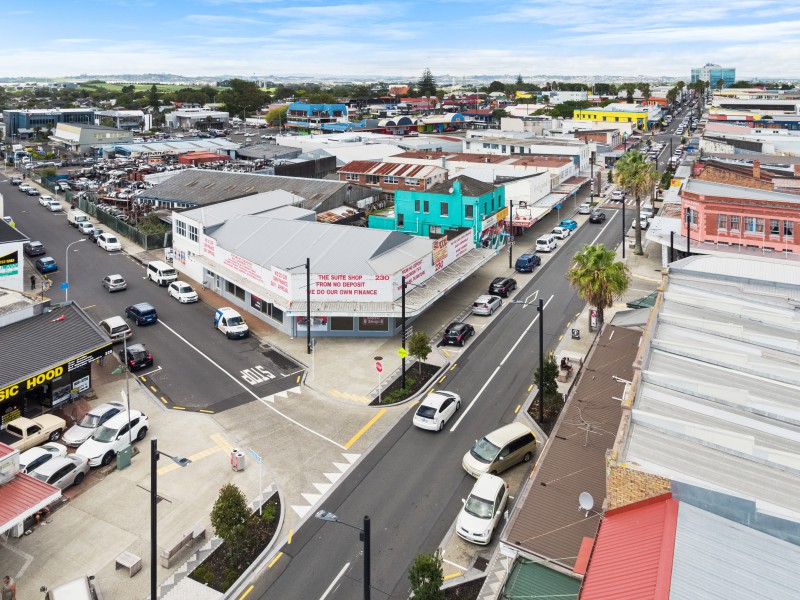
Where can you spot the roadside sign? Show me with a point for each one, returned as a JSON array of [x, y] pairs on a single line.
[[65, 285], [254, 454], [402, 352], [378, 367]]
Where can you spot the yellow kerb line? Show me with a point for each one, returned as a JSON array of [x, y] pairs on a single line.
[[453, 575], [274, 560], [247, 591], [363, 430]]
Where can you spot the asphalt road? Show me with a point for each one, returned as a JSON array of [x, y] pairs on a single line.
[[411, 484], [195, 366]]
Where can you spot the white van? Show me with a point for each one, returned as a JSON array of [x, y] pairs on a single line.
[[231, 323], [546, 243], [83, 588], [74, 217], [161, 272]]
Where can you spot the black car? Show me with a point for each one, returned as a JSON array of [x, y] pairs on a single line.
[[34, 248], [143, 313], [136, 357], [457, 333], [502, 286], [597, 216], [96, 233]]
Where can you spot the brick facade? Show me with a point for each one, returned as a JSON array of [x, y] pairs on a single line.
[[626, 485]]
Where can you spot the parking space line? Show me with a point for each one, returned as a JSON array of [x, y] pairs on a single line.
[[530, 387], [291, 533], [164, 400], [516, 410], [451, 563], [178, 408], [154, 388], [363, 430], [443, 378], [454, 366], [208, 412]]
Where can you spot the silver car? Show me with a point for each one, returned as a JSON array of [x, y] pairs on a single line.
[[114, 283], [486, 304], [83, 429], [63, 471]]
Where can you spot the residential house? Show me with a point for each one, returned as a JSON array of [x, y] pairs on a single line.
[[390, 177]]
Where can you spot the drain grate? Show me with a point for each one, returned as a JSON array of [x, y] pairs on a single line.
[[481, 563]]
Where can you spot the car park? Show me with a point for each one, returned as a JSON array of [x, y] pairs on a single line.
[[597, 216], [500, 450], [143, 313], [231, 323], [502, 286], [46, 264], [33, 458], [585, 209], [486, 304], [527, 262], [568, 224], [112, 436], [560, 232], [109, 242], [85, 428], [33, 248], [182, 292], [483, 509], [63, 471], [116, 328], [457, 333], [435, 410], [136, 356], [54, 206], [115, 283]]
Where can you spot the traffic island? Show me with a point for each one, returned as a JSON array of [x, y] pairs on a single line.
[[418, 376]]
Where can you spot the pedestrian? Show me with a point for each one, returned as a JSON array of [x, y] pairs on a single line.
[[33, 282], [9, 589]]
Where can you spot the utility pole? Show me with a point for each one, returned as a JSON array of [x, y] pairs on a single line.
[[540, 308]]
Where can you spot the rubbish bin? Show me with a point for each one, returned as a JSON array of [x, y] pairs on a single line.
[[124, 457], [237, 459]]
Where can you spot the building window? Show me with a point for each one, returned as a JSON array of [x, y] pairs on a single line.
[[416, 206], [341, 323], [373, 179], [426, 207], [775, 227], [443, 209], [193, 233], [435, 229], [234, 290], [390, 179], [503, 148], [722, 222], [753, 225], [412, 181], [788, 228], [351, 176], [734, 222], [400, 220], [469, 211], [373, 324], [180, 228]]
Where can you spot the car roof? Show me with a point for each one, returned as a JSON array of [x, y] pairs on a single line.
[[138, 347], [34, 243], [227, 310], [456, 325], [46, 258], [103, 408], [113, 321], [485, 298], [500, 279], [55, 463], [143, 306], [527, 255], [115, 275], [487, 486], [436, 399], [120, 419]]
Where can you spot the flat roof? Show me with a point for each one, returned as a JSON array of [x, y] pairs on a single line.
[[11, 234], [724, 190]]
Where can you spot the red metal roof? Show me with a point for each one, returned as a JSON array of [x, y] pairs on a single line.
[[22, 496], [5, 450], [632, 557], [394, 169]]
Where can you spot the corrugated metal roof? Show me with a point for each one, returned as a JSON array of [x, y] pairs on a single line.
[[547, 521], [470, 187], [21, 497], [391, 169], [718, 558], [740, 268], [529, 579], [710, 188], [27, 347], [632, 558]]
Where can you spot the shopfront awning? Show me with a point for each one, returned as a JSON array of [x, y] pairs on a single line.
[[21, 497]]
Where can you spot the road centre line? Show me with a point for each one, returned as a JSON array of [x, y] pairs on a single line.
[[594, 241], [527, 329], [249, 391], [335, 581]]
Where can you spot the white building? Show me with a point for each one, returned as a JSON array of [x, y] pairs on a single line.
[[196, 118], [559, 97], [85, 138]]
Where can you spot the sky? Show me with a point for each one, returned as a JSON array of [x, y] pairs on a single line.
[[365, 38]]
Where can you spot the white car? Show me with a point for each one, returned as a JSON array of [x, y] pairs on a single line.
[[44, 199], [34, 458], [108, 242], [482, 509], [64, 471], [182, 292], [561, 233], [436, 410], [618, 195], [112, 436], [83, 429], [54, 206], [585, 209], [85, 227]]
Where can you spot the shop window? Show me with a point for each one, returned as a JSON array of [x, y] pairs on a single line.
[[373, 324], [276, 313], [775, 227], [722, 222], [341, 323], [788, 229], [234, 290], [443, 209]]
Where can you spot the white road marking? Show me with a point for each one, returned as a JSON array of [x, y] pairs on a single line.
[[335, 581], [242, 385], [149, 372], [594, 241]]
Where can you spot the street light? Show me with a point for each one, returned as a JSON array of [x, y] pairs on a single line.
[[117, 371], [66, 288], [403, 286], [540, 310], [308, 300], [324, 515], [180, 461]]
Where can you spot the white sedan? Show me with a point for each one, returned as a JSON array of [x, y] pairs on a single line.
[[182, 292], [44, 199], [436, 410]]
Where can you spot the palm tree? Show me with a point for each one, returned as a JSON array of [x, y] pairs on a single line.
[[598, 278], [638, 177]]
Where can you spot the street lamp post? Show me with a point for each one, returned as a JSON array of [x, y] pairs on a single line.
[[66, 289], [403, 334], [510, 233], [180, 461], [364, 535], [125, 368], [623, 227], [308, 301], [540, 309]]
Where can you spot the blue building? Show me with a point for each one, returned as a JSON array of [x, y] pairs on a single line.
[[711, 74], [23, 124], [311, 118], [457, 204]]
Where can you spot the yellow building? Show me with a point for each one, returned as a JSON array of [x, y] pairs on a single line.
[[525, 95], [616, 113]]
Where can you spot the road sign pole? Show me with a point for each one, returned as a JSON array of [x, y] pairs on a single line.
[[260, 462], [403, 335]]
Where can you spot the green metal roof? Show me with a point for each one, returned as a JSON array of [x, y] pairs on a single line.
[[529, 580], [647, 302]]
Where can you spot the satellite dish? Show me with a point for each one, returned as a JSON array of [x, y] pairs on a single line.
[[586, 502]]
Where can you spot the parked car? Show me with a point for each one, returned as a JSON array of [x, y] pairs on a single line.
[[546, 243], [502, 286], [112, 436], [182, 292], [46, 265], [63, 471], [500, 450], [585, 208], [32, 191], [83, 429], [457, 333], [54, 206], [34, 458], [16, 181], [483, 509], [44, 199], [96, 234], [24, 187], [109, 242], [597, 216], [115, 283], [143, 313], [33, 248], [435, 410], [116, 328], [136, 356], [560, 232], [231, 323], [486, 304], [85, 228], [527, 262], [568, 224], [618, 195]]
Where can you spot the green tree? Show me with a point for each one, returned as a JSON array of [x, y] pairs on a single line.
[[426, 577], [427, 84], [321, 98], [499, 113], [645, 89], [124, 101], [242, 96], [230, 513], [496, 86], [152, 97], [598, 278], [419, 346], [553, 399], [720, 84], [277, 115], [638, 177]]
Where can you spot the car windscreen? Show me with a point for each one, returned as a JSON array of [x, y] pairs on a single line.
[[39, 476], [427, 412], [168, 273], [484, 451], [104, 434], [111, 240], [235, 321], [89, 420], [478, 507], [185, 289]]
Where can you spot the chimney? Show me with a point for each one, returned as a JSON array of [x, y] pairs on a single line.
[[756, 170], [444, 162]]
